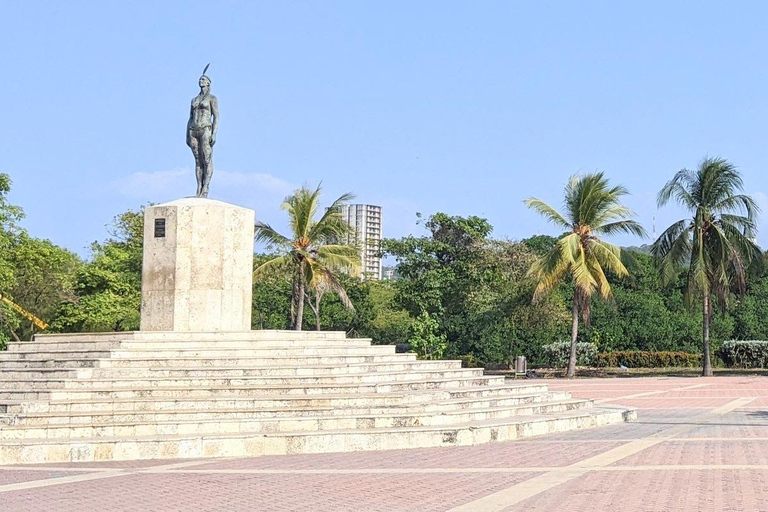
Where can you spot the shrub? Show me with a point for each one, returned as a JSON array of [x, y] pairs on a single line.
[[557, 354], [646, 359], [745, 354], [424, 338]]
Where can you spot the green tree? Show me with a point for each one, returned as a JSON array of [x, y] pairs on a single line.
[[108, 288], [17, 317], [540, 244], [44, 276], [389, 324], [271, 295], [312, 251], [592, 208], [475, 288], [715, 244], [10, 215], [335, 313]]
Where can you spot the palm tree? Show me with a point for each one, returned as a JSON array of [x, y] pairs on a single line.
[[592, 208], [323, 283], [312, 252], [715, 243]]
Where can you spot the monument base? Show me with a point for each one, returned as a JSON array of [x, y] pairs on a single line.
[[197, 267]]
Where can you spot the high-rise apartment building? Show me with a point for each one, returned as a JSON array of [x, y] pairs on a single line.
[[366, 221]]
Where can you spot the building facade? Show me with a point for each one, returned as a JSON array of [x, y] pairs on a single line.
[[365, 219]]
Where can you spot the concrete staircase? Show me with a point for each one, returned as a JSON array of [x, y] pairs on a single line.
[[148, 395]]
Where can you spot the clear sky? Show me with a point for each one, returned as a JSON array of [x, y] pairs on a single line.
[[465, 107]]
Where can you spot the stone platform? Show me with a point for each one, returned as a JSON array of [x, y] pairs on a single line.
[[169, 395]]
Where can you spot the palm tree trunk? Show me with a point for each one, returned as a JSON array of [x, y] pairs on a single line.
[[707, 362], [299, 294], [571, 373], [318, 298]]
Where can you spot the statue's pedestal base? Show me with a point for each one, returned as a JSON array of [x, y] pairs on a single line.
[[198, 265]]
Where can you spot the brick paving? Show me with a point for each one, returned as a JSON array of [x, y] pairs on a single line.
[[700, 444]]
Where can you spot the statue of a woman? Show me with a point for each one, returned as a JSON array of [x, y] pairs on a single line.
[[201, 133]]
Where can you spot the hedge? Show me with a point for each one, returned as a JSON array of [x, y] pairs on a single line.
[[644, 359], [745, 354], [557, 354]]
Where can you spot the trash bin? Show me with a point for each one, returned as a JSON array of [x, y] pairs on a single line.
[[521, 366]]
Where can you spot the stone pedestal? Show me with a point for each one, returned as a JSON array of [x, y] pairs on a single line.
[[198, 266]]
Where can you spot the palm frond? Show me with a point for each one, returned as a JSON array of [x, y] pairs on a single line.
[[623, 226], [340, 256], [266, 234], [547, 211], [302, 207], [326, 281], [331, 225], [601, 282], [678, 189], [273, 264], [583, 279], [672, 250], [550, 268], [608, 256], [738, 203]]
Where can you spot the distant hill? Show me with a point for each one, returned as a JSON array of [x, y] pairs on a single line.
[[645, 248]]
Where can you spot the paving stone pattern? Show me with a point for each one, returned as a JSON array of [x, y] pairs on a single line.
[[700, 444]]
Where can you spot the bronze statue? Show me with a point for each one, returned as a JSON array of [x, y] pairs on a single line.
[[201, 132]]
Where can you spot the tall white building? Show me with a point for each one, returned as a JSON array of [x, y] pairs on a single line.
[[366, 221]]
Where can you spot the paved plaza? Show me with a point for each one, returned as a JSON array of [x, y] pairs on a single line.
[[699, 444]]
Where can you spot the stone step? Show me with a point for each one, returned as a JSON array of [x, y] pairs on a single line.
[[193, 336], [101, 345], [152, 416], [230, 400], [251, 361], [231, 389], [37, 413], [204, 371], [121, 396], [38, 373], [281, 443], [53, 354], [143, 362], [267, 352], [243, 422], [22, 364], [138, 382]]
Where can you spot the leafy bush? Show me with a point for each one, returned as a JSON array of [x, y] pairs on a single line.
[[745, 354], [557, 354], [425, 340], [646, 359]]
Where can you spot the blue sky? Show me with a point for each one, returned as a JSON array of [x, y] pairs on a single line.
[[453, 106]]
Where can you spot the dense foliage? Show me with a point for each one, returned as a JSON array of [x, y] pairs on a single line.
[[458, 293], [646, 359], [745, 354], [107, 289], [559, 353]]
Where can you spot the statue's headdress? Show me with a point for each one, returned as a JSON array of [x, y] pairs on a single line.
[[204, 75]]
